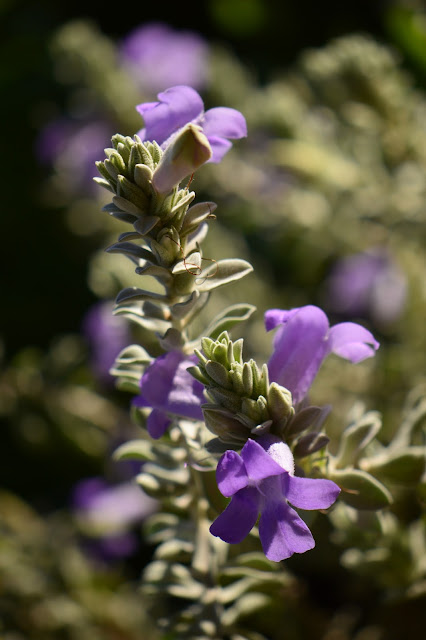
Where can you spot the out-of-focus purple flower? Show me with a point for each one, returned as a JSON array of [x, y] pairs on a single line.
[[181, 105], [106, 335], [74, 147], [158, 56], [168, 388], [304, 339], [106, 515], [367, 285], [261, 479]]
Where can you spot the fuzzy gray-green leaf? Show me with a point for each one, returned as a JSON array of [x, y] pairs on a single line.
[[222, 272], [360, 490]]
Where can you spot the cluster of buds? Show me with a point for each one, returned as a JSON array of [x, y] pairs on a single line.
[[244, 404]]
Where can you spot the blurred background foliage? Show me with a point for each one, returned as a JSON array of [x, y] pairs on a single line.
[[327, 199]]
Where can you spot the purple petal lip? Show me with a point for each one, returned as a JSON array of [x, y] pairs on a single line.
[[181, 105], [176, 107], [304, 339], [257, 483]]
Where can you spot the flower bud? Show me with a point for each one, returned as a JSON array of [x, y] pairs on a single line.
[[187, 151]]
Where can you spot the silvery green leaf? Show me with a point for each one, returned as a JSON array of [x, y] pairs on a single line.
[[245, 605], [360, 490], [104, 183], [129, 235], [151, 486], [133, 293], [222, 272], [405, 466], [228, 318], [133, 354], [161, 526], [196, 215], [196, 239], [125, 382], [145, 224], [161, 274], [191, 264], [137, 315], [413, 420], [117, 213], [175, 549], [127, 206], [190, 307], [198, 375], [355, 438], [172, 339], [134, 450], [132, 250], [170, 478]]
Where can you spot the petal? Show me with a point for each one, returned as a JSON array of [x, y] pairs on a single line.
[[310, 493], [231, 474], [282, 532], [225, 123], [239, 517], [352, 341], [157, 423], [219, 146], [187, 393], [167, 385], [274, 317], [176, 107], [299, 348], [258, 463]]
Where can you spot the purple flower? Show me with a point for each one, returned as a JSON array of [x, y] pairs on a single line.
[[304, 339], [73, 147], [367, 285], [261, 479], [181, 105], [107, 513], [158, 56], [168, 388], [107, 335]]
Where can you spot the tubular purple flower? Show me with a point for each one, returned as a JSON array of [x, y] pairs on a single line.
[[181, 105], [170, 390], [304, 339], [261, 479]]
